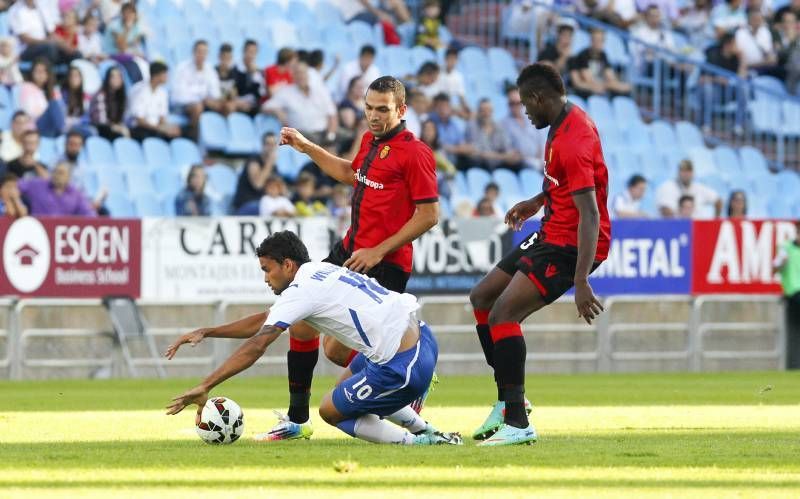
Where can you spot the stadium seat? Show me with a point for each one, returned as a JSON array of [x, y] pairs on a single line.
[[299, 12], [580, 41], [472, 60], [508, 182], [148, 205], [184, 152], [611, 139], [243, 136], [157, 153], [663, 135], [753, 162], [283, 34], [265, 123], [222, 179], [600, 110], [362, 34], [626, 163], [47, 151], [626, 113], [765, 115], [169, 182], [269, 9], [530, 181], [789, 181], [688, 135], [167, 206], [214, 131], [779, 207], [501, 65], [6, 108], [129, 154], [396, 60], [477, 178], [326, 12], [637, 139], [289, 163], [90, 74], [139, 183], [99, 153], [460, 187], [420, 55], [791, 118], [616, 50], [703, 162], [119, 206], [578, 101], [727, 162], [768, 88]]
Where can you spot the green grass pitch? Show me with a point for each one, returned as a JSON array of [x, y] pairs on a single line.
[[642, 435]]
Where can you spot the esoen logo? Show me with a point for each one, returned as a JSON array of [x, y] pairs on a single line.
[[26, 254]]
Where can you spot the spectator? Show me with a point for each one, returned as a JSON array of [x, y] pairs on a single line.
[[67, 31], [754, 42], [11, 142], [737, 205], [109, 10], [339, 207], [76, 101], [686, 207], [445, 170], [526, 139], [485, 208], [351, 108], [26, 165], [451, 131], [280, 73], [558, 53], [196, 87], [627, 204], [429, 25], [787, 48], [192, 201], [55, 196], [364, 67], [72, 150], [10, 74], [793, 6], [229, 75], [39, 98], [28, 24], [451, 82], [727, 17], [11, 204], [525, 18], [668, 8], [305, 202], [624, 13], [418, 108], [254, 175], [717, 89], [669, 194], [591, 73], [787, 264], [124, 36], [108, 108], [250, 83], [490, 144], [274, 202], [150, 106], [315, 60], [653, 32], [428, 81], [695, 23], [90, 42], [324, 183], [492, 192], [305, 107]]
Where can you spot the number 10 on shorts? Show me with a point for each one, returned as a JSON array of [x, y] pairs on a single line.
[[362, 392]]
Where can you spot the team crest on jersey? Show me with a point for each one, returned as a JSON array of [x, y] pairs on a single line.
[[385, 152]]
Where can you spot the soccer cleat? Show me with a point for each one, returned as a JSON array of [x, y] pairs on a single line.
[[511, 435], [419, 403], [495, 420], [286, 430], [432, 436]]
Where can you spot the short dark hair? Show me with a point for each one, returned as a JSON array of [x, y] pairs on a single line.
[[285, 55], [390, 84], [428, 67], [491, 185], [539, 77], [685, 198], [197, 43], [315, 58], [250, 42], [282, 245], [74, 133], [441, 97], [8, 177], [17, 114], [636, 179], [451, 51], [267, 134], [157, 68], [367, 50], [225, 48], [726, 38]]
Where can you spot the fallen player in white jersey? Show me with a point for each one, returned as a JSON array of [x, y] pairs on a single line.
[[397, 353]]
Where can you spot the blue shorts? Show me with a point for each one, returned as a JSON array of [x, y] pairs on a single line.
[[383, 389]]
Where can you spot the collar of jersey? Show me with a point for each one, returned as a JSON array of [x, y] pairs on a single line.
[[391, 133], [557, 123]]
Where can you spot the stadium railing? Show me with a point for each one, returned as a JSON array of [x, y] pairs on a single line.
[[603, 357], [746, 111]]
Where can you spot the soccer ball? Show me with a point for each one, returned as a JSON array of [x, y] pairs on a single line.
[[221, 422]]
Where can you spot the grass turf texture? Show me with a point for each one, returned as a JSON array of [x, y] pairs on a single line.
[[705, 435]]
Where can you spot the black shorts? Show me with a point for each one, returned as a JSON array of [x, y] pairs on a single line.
[[551, 268], [390, 276]]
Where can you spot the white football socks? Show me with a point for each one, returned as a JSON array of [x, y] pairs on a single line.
[[408, 419], [371, 428]]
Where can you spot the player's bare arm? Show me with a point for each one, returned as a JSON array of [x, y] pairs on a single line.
[[244, 357], [588, 305], [332, 165], [524, 210], [425, 217], [242, 328]]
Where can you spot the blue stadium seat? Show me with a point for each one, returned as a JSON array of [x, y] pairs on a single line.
[[129, 154], [396, 60], [578, 101], [112, 180], [335, 35], [611, 138], [214, 131], [326, 12], [791, 118], [473, 60], [663, 135], [460, 187], [299, 12], [420, 55], [119, 206], [501, 65], [157, 153], [768, 87], [309, 34], [703, 162], [148, 205], [753, 162], [243, 136], [169, 182], [184, 152], [266, 123], [765, 114], [789, 181], [779, 207], [269, 9], [283, 34], [99, 153], [627, 163], [616, 50], [600, 110], [626, 113], [477, 178], [638, 139], [688, 135], [580, 41], [727, 162], [139, 183], [222, 179], [289, 163], [168, 206], [508, 182], [361, 34], [530, 181], [47, 151], [90, 74], [7, 107]]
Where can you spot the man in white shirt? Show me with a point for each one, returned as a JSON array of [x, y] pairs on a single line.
[[754, 41], [670, 192], [11, 140], [526, 139], [728, 16], [627, 204], [364, 67], [308, 108], [429, 81], [150, 106], [451, 82], [652, 32], [32, 27], [368, 402], [196, 85]]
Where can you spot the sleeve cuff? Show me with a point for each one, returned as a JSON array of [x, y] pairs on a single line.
[[581, 190], [426, 200]]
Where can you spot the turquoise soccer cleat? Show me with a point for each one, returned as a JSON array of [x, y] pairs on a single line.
[[432, 436], [511, 435], [495, 420], [286, 430]]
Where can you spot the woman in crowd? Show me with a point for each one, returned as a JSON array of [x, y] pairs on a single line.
[[109, 105]]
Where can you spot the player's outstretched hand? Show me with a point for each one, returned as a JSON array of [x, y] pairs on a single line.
[[589, 307], [197, 395], [291, 137], [192, 338], [523, 211], [364, 259]]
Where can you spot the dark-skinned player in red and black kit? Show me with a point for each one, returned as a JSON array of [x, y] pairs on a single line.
[[395, 200], [573, 240]]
